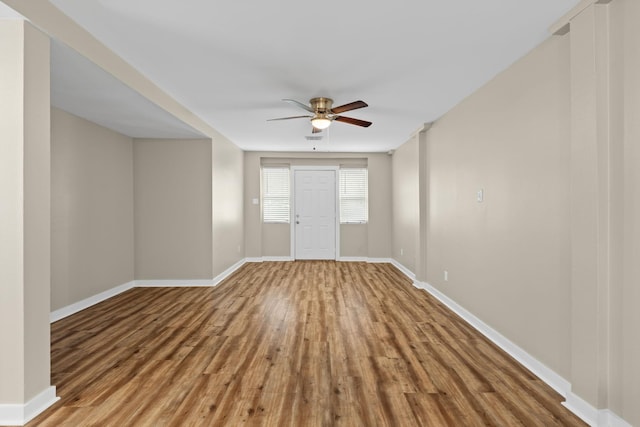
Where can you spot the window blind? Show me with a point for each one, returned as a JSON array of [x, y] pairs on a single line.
[[353, 195], [275, 195]]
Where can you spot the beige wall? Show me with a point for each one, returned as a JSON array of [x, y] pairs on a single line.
[[406, 209], [24, 212], [92, 209], [549, 259], [362, 240], [228, 207], [172, 209], [625, 167], [508, 257]]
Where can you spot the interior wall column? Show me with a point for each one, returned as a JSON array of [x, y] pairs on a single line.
[[423, 191], [590, 203], [24, 222]]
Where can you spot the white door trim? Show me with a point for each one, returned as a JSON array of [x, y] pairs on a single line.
[[292, 183]]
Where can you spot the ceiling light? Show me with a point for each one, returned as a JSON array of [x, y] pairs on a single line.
[[320, 122]]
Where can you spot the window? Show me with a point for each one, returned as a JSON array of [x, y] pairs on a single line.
[[354, 196], [275, 195]]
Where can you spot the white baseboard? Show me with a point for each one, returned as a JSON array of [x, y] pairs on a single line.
[[277, 258], [270, 258], [546, 374], [410, 274], [21, 414], [584, 410], [607, 418], [171, 283], [365, 259], [558, 383], [592, 416], [63, 312], [352, 259], [380, 260], [220, 277]]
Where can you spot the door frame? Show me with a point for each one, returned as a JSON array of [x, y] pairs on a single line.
[[292, 187]]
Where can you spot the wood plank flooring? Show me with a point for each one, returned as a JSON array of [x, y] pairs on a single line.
[[306, 343]]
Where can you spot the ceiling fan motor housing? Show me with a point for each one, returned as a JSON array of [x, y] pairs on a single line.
[[321, 105]]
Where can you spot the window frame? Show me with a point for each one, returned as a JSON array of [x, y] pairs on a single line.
[[264, 197], [364, 197]]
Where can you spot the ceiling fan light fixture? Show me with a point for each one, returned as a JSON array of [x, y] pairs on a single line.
[[320, 122]]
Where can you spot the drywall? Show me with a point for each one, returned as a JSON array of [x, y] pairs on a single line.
[[405, 206], [357, 240], [508, 257], [227, 205], [25, 251], [624, 327], [91, 209], [172, 209]]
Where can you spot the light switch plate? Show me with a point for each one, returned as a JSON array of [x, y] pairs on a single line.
[[255, 201]]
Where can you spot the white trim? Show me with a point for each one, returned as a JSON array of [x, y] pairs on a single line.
[[559, 384], [277, 258], [410, 274], [198, 282], [608, 418], [63, 312], [353, 259], [228, 272], [546, 374], [582, 409], [592, 416], [380, 260], [173, 283], [17, 414], [269, 258]]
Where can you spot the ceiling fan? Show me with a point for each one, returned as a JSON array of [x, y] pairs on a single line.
[[324, 114]]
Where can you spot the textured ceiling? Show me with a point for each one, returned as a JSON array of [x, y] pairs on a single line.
[[231, 63]]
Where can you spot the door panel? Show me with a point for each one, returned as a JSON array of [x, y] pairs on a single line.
[[315, 214]]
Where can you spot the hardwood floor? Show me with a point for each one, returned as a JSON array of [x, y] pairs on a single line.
[[307, 343]]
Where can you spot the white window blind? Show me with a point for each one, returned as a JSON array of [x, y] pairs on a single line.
[[275, 194], [354, 195]]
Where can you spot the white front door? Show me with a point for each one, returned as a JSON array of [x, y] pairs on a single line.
[[315, 214]]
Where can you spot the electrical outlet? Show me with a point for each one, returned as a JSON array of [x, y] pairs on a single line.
[[401, 251], [446, 276]]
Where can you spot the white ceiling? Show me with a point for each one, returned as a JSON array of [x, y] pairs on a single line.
[[82, 88], [232, 62]]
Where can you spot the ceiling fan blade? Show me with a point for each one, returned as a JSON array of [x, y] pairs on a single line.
[[289, 118], [348, 107], [352, 121], [316, 130], [300, 104]]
